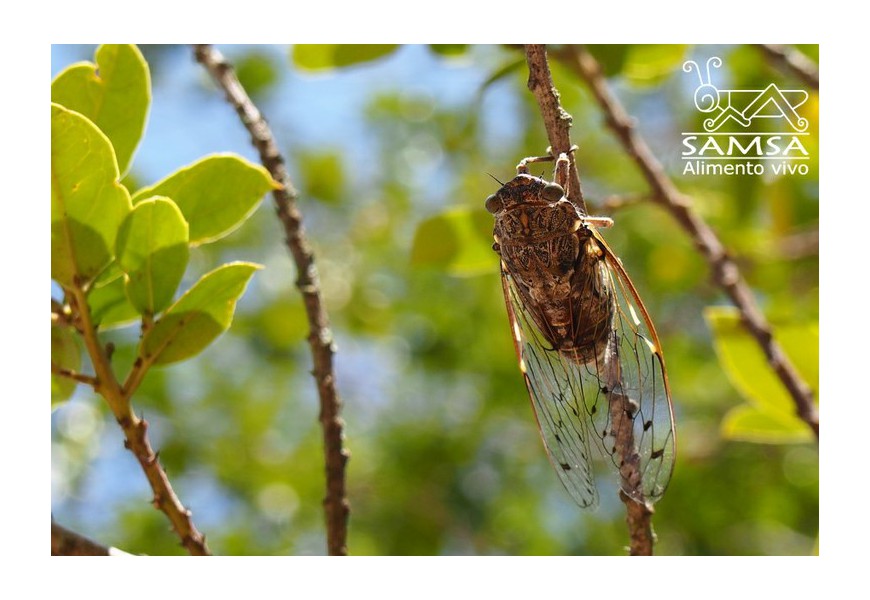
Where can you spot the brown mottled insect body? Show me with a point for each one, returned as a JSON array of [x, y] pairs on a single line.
[[557, 265]]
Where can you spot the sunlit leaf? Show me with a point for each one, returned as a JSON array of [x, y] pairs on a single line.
[[746, 365], [322, 175], [257, 72], [87, 201], [459, 240], [114, 93], [770, 415], [66, 353], [199, 316], [611, 57], [323, 57], [215, 194], [109, 304], [749, 424], [152, 250], [450, 50], [648, 64]]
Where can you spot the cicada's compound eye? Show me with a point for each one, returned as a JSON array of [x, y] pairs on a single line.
[[552, 192], [494, 204]]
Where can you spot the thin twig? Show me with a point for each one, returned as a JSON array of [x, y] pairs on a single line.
[[556, 120], [60, 315], [74, 375], [794, 62], [724, 269], [135, 430], [69, 543], [320, 337], [558, 123]]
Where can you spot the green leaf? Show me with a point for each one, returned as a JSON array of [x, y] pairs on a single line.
[[65, 352], [611, 57], [109, 304], [153, 251], [215, 194], [449, 50], [87, 201], [115, 94], [324, 57], [746, 365], [199, 316], [649, 64], [458, 240], [257, 72], [749, 424], [322, 175], [770, 415]]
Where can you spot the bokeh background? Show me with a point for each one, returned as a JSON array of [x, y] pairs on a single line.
[[392, 158]]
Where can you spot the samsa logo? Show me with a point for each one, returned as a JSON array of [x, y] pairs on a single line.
[[746, 132]]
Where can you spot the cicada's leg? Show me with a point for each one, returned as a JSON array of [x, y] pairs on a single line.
[[598, 222], [522, 167]]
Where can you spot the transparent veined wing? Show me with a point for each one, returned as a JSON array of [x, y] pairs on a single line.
[[635, 384], [555, 390]]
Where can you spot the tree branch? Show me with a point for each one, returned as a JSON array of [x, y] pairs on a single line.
[[135, 429], [558, 123], [320, 337], [725, 271], [69, 543], [556, 120], [793, 61], [75, 376]]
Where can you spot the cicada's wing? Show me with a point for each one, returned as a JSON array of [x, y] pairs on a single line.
[[633, 379], [556, 392]]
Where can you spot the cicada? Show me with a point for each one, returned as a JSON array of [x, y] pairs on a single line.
[[587, 348]]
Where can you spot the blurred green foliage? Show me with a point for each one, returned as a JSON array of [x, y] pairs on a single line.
[[446, 458]]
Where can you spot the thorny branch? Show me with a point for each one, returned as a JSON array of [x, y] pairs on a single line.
[[724, 269], [558, 123], [320, 337], [69, 543], [135, 428], [795, 62]]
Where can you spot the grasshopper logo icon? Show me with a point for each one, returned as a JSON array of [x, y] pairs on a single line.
[[746, 131]]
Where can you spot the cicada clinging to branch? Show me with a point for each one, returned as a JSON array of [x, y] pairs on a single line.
[[587, 347]]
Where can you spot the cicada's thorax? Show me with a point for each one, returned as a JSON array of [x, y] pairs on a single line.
[[558, 267]]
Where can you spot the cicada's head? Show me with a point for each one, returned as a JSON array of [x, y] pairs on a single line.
[[524, 189]]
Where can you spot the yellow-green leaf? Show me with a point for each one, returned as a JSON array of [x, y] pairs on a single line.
[[65, 352], [770, 415], [611, 57], [322, 175], [114, 93], [199, 316], [215, 194], [109, 304], [88, 203], [450, 50], [648, 64], [323, 57], [458, 240], [153, 251], [749, 424]]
